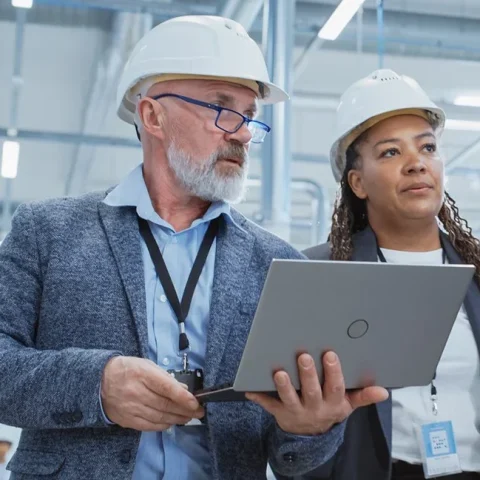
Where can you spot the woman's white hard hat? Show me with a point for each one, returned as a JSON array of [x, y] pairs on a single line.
[[381, 95]]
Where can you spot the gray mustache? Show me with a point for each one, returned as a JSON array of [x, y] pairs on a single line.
[[234, 152]]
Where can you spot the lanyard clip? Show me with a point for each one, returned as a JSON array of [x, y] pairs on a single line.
[[185, 361], [433, 395]]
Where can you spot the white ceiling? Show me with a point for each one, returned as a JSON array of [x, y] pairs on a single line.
[[453, 8]]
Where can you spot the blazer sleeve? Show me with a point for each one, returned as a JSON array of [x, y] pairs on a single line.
[[295, 455], [39, 388]]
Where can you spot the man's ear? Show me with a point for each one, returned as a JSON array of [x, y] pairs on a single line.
[[152, 115]]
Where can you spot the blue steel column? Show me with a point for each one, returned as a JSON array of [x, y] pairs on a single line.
[[360, 30], [266, 155], [277, 150], [13, 120], [381, 33]]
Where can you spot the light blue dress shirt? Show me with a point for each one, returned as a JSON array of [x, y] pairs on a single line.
[[180, 452]]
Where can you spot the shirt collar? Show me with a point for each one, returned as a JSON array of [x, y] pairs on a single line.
[[132, 192]]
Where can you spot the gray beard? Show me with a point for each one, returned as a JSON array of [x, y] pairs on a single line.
[[202, 180]]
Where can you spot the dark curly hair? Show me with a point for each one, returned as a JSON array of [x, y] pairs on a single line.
[[350, 216]]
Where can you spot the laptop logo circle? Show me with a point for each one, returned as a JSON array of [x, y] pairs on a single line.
[[358, 329]]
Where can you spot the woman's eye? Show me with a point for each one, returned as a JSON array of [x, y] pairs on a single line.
[[391, 152], [430, 147]]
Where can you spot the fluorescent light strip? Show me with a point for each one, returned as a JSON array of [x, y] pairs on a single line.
[[340, 19], [22, 3], [467, 101], [463, 125], [10, 154]]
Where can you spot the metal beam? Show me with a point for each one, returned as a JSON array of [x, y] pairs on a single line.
[[319, 202], [156, 7], [315, 44], [72, 138], [7, 205], [276, 168], [419, 33], [248, 13], [360, 30], [128, 28], [464, 171], [462, 157], [244, 12], [267, 155], [426, 35], [230, 8], [17, 80], [381, 33], [17, 83], [103, 141]]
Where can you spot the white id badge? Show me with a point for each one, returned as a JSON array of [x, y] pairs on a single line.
[[439, 450]]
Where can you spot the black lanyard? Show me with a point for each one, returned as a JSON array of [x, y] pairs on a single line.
[[433, 388], [181, 309]]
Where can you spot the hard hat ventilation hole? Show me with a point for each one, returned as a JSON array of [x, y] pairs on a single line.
[[385, 76]]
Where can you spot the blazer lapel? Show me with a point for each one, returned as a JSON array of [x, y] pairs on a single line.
[[472, 307], [233, 253], [472, 299], [121, 228], [365, 250], [365, 246]]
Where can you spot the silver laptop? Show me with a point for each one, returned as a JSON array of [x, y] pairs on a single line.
[[388, 323]]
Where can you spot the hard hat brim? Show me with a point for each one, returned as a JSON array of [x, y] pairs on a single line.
[[273, 94]]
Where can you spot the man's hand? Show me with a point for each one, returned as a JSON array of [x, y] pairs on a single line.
[[317, 409], [138, 394]]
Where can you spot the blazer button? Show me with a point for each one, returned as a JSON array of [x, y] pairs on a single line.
[[57, 418], [77, 416], [65, 418], [125, 456], [289, 457]]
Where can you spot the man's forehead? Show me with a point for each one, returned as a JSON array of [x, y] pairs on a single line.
[[191, 87], [232, 99], [231, 88]]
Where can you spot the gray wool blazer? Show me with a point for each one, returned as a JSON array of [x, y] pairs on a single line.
[[72, 295]]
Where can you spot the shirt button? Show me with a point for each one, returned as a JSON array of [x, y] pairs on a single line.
[[166, 361], [163, 298]]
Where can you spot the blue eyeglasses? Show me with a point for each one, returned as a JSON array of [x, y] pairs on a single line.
[[227, 120]]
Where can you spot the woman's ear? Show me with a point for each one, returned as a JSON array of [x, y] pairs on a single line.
[[355, 181]]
